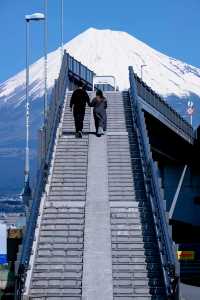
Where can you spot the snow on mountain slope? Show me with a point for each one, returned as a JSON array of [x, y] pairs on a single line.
[[110, 52], [107, 53]]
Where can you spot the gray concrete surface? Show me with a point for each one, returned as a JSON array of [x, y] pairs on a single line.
[[97, 262]]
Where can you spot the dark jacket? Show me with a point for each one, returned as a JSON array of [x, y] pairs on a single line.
[[79, 99], [99, 106], [99, 111]]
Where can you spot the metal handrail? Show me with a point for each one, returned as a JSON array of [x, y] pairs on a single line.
[[156, 101], [29, 236], [80, 72], [165, 244], [105, 76], [32, 221]]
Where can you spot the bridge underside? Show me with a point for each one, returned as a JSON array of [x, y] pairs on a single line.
[[172, 153], [166, 144]]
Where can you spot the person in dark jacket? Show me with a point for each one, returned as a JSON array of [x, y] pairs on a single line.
[[100, 117], [77, 104]]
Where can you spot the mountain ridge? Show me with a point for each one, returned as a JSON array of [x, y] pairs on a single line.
[[105, 52], [100, 51]]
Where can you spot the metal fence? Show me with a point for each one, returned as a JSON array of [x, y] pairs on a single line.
[[104, 87], [79, 71], [156, 101], [70, 68], [165, 243]]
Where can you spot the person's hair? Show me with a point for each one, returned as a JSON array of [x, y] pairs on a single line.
[[80, 84], [100, 94]]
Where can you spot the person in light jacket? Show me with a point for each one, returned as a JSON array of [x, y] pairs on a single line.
[[100, 117]]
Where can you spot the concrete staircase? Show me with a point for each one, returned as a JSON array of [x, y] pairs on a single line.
[[137, 272], [58, 266], [96, 236]]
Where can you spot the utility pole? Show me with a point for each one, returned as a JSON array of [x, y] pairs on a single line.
[[45, 58], [62, 29], [142, 66], [27, 189]]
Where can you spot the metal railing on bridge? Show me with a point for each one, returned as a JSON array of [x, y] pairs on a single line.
[[161, 106], [80, 72], [165, 242], [71, 70]]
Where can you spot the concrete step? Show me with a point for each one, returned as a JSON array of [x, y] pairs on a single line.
[[55, 291], [132, 245], [58, 267], [67, 189], [71, 210], [59, 260], [56, 184], [67, 198]]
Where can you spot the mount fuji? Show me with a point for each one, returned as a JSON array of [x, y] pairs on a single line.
[[105, 52]]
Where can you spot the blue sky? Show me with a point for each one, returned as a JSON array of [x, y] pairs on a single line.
[[171, 26]]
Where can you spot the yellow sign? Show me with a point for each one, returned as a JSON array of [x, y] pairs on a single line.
[[185, 255]]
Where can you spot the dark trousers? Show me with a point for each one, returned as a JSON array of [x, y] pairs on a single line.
[[100, 121], [78, 119]]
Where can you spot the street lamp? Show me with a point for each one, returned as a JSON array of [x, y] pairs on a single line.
[[142, 66], [28, 18], [61, 28], [45, 58], [35, 17]]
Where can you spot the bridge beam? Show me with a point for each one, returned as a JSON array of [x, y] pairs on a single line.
[[177, 192]]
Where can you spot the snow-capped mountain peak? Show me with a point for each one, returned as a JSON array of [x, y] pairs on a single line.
[[110, 52]]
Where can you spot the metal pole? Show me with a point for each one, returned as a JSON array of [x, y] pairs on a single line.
[[45, 72], [27, 167], [45, 58], [62, 27], [190, 111], [142, 66], [173, 205]]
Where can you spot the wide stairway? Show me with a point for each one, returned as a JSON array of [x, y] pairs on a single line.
[[96, 235]]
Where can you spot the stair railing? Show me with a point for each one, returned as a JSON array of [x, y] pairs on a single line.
[[153, 188], [160, 105], [47, 135]]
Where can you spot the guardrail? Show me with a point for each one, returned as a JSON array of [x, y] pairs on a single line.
[[71, 69], [156, 101], [165, 243], [80, 72], [103, 83]]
